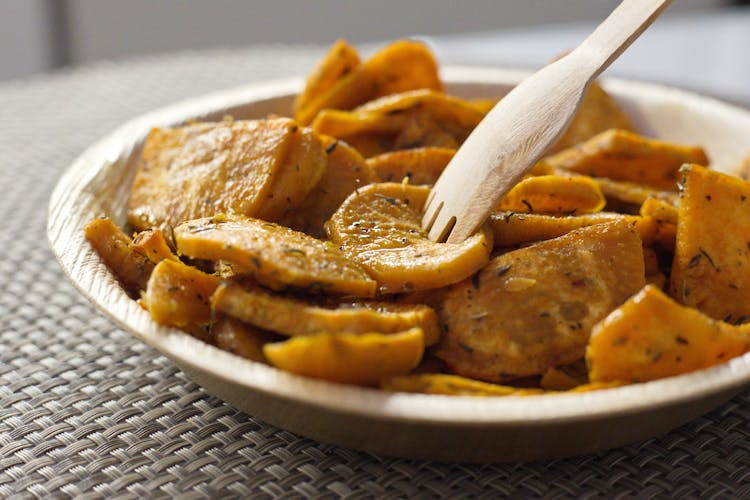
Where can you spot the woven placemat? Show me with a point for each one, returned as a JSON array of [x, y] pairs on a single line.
[[88, 411]]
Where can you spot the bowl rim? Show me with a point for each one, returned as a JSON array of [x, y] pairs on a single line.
[[102, 290]]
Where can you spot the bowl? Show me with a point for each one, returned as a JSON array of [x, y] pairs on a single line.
[[444, 428]]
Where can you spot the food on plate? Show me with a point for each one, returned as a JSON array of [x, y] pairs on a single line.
[[297, 242]]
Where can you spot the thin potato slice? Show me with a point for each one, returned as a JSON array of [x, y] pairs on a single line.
[[651, 337], [153, 245], [241, 339], [345, 172], [209, 168], [401, 66], [418, 165], [532, 309], [178, 295], [661, 210], [131, 266], [340, 60], [274, 255], [552, 194], [624, 193], [363, 359], [623, 155], [380, 227], [712, 254], [290, 316], [451, 385]]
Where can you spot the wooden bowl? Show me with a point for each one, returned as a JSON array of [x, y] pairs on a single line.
[[408, 425]]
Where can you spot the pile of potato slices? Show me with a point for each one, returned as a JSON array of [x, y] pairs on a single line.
[[296, 242]]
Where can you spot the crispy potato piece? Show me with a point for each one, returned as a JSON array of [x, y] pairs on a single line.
[[177, 295], [274, 255], [153, 245], [532, 309], [401, 66], [651, 337], [622, 194], [380, 227], [345, 172], [340, 60], [209, 168], [418, 165], [363, 359], [241, 339], [130, 266], [598, 112], [290, 316], [552, 194], [451, 385], [659, 209], [712, 254], [623, 155]]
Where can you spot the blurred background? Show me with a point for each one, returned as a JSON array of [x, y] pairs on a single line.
[[40, 35]]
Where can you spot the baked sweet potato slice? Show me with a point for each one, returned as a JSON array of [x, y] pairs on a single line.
[[153, 245], [274, 255], [131, 266], [418, 165], [711, 268], [553, 194], [624, 196], [651, 337], [380, 227], [241, 338], [451, 385], [363, 359], [401, 66], [340, 60], [659, 209], [345, 172], [623, 155], [178, 295], [290, 316], [533, 309]]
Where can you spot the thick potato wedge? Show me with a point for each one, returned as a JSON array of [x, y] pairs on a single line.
[[418, 165], [178, 295], [552, 194], [532, 309], [380, 227], [651, 337], [153, 245], [401, 66], [623, 155], [275, 256], [345, 172], [241, 339], [340, 60], [712, 254], [290, 316], [363, 359], [131, 266], [209, 168], [451, 385]]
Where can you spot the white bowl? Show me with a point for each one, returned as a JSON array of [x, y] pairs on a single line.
[[409, 425]]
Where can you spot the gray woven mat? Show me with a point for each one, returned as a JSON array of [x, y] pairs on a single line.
[[86, 410]]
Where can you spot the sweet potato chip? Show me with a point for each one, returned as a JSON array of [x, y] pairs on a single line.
[[659, 209], [532, 309], [451, 385], [363, 359], [712, 254], [380, 227], [241, 339], [274, 255], [552, 194], [651, 337], [623, 155], [625, 196], [289, 316], [153, 245], [418, 165]]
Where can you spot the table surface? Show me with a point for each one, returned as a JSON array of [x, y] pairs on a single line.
[[86, 410]]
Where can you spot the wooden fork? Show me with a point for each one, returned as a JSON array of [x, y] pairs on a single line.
[[517, 131]]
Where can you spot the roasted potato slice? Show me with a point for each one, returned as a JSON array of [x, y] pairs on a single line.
[[178, 295], [380, 227], [451, 385], [274, 255], [130, 265], [401, 66], [532, 309], [289, 316], [363, 359], [712, 254], [651, 337], [418, 165], [241, 338], [627, 197], [623, 155], [153, 245], [552, 194], [659, 209]]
